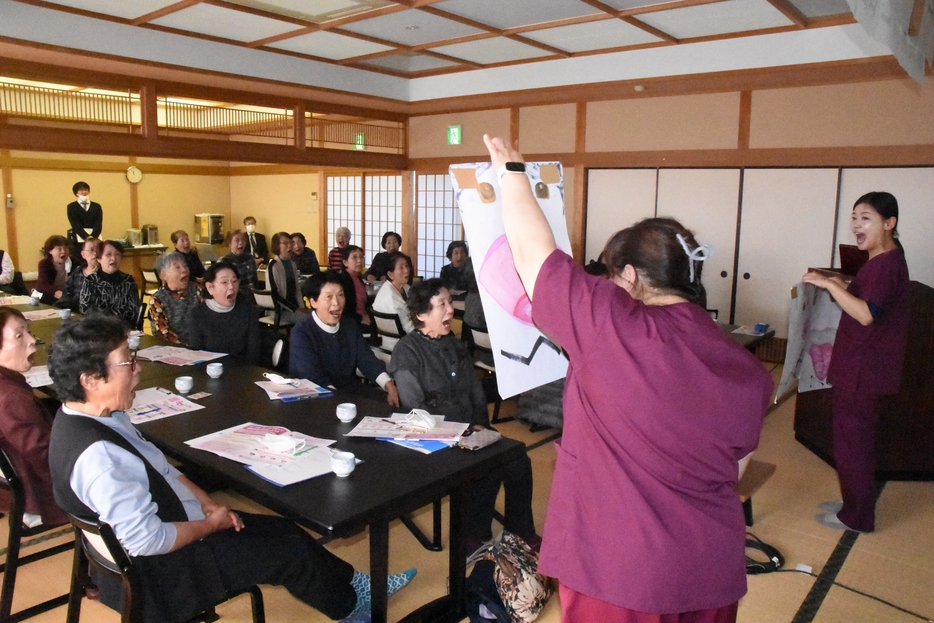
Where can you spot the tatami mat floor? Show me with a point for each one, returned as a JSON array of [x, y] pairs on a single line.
[[895, 564]]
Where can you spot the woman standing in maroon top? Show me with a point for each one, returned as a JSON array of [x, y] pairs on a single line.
[[867, 356]]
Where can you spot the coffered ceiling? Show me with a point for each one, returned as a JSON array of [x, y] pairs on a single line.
[[418, 50]]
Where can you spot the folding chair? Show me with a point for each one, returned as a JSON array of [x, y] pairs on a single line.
[[150, 280], [389, 329], [480, 342], [96, 543], [18, 531], [266, 301]]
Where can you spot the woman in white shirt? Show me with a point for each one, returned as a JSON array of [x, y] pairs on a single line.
[[391, 298]]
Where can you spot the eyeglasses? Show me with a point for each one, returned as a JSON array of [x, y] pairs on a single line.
[[131, 363]]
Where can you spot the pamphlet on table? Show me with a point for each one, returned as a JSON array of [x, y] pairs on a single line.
[[177, 356], [40, 314], [398, 427], [298, 389], [156, 403], [246, 443], [14, 300], [38, 376]]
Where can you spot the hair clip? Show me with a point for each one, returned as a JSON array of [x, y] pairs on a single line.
[[701, 253]]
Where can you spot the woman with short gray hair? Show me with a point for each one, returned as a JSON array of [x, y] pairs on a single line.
[[172, 303]]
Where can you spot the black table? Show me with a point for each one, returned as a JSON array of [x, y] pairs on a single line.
[[749, 342], [391, 480]]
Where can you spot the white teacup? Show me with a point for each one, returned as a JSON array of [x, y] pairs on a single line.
[[215, 370], [342, 463], [346, 411], [64, 314], [133, 342], [184, 384], [33, 300]]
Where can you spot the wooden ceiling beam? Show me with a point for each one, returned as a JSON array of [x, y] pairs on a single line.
[[166, 10]]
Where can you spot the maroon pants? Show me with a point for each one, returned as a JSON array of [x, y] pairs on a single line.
[[579, 608], [855, 421]]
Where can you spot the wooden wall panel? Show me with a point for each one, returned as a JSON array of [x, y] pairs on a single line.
[[547, 129], [664, 123], [892, 112], [428, 135]]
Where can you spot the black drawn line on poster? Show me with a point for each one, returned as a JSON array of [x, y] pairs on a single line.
[[527, 360]]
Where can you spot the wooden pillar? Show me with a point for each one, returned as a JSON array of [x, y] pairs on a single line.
[[134, 200], [12, 246], [745, 119], [577, 222], [323, 243], [298, 125], [409, 221], [149, 112], [514, 127]]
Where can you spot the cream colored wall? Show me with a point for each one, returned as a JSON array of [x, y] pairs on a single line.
[[41, 198], [4, 241], [664, 123], [279, 203], [428, 135], [547, 129], [894, 112], [171, 201]]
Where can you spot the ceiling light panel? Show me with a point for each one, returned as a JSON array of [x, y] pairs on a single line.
[[118, 8], [317, 11], [490, 51], [719, 18], [329, 45], [410, 62], [207, 19], [821, 8], [411, 28], [608, 33], [516, 13]]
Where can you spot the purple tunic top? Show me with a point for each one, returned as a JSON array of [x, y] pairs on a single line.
[[659, 406], [869, 359]]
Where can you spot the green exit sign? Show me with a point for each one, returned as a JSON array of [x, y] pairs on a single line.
[[454, 135], [359, 141]]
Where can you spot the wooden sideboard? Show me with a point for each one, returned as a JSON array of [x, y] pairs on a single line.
[[905, 444]]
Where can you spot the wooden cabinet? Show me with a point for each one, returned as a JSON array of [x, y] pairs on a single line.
[[905, 444]]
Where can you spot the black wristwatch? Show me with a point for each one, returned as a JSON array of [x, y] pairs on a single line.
[[511, 167]]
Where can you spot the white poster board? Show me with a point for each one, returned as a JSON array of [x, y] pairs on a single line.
[[524, 357], [812, 329]]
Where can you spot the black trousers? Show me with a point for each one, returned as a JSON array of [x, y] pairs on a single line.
[[268, 550], [516, 479], [273, 550]]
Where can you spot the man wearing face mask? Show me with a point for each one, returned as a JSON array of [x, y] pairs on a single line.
[[85, 217], [255, 243]]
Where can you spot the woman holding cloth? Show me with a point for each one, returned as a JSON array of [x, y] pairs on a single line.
[[659, 407], [868, 353]]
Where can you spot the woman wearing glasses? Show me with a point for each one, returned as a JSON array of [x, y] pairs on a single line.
[[189, 551]]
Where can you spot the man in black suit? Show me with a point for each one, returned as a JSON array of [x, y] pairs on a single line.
[[255, 243], [86, 218]]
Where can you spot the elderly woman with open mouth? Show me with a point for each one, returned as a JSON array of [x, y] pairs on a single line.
[[223, 324], [25, 424], [172, 303], [109, 291]]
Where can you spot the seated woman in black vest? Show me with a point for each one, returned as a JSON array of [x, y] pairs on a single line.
[[189, 550], [433, 371]]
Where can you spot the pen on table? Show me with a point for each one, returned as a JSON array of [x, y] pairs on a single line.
[[297, 398]]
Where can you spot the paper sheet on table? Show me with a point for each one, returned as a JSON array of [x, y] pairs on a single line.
[[244, 443], [38, 376], [305, 389], [40, 314], [744, 330], [309, 463], [156, 403], [14, 300], [177, 356], [397, 427]]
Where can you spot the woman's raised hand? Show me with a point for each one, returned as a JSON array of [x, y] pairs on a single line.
[[500, 152]]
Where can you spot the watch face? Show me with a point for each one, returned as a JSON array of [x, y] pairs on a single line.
[[518, 167], [134, 175]]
